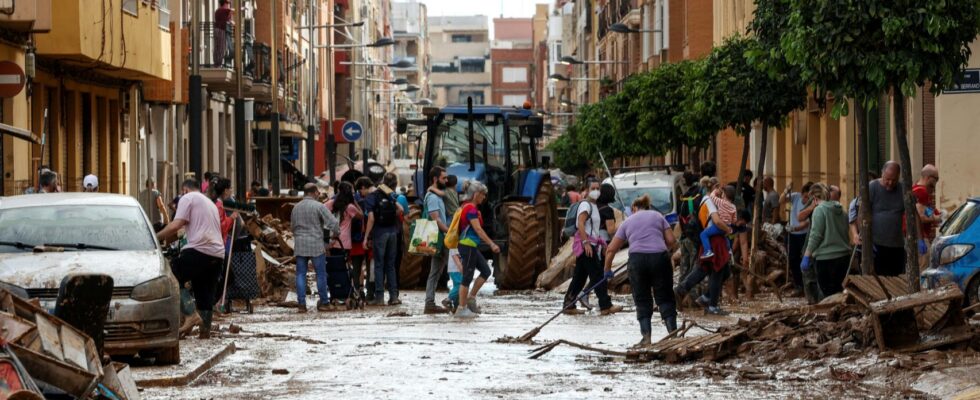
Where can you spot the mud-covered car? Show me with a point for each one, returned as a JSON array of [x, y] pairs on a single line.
[[84, 233]]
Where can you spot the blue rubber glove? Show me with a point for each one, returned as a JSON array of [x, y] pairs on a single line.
[[805, 264], [609, 275], [922, 246]]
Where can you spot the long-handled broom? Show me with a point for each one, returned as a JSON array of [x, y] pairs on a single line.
[[526, 338]]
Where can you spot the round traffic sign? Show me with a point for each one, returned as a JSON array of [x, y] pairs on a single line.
[[352, 131], [11, 79]]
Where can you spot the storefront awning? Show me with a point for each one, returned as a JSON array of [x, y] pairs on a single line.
[[19, 133]]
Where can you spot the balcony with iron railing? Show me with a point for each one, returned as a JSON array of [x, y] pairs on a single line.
[[216, 53]]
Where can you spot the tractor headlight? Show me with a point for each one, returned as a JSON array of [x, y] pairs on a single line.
[[954, 252], [153, 289]]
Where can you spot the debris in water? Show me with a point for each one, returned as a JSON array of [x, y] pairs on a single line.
[[280, 371]]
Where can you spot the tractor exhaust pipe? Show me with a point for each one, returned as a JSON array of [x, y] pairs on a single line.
[[469, 118]]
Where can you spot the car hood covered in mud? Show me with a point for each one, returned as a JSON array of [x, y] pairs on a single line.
[[46, 270]]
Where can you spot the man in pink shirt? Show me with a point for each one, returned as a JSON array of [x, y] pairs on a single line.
[[201, 258]]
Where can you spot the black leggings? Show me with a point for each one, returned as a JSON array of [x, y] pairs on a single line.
[[588, 269], [203, 271], [652, 271]]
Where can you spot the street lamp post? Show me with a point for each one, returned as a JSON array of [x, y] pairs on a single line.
[[569, 60], [382, 42], [620, 27], [331, 143]]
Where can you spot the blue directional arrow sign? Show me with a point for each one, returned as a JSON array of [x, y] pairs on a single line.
[[352, 131]]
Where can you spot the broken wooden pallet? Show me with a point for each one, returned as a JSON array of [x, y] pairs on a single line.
[[898, 317]]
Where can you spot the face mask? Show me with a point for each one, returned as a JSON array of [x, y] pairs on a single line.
[[594, 195]]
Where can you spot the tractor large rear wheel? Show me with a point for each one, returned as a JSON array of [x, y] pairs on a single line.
[[525, 248], [414, 269]]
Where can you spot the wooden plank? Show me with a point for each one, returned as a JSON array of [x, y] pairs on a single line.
[[930, 343], [13, 328], [73, 345], [75, 381], [944, 294], [50, 337]]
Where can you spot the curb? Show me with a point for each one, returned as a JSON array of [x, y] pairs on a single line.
[[189, 377]]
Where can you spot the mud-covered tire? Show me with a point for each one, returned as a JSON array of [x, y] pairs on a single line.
[[414, 269], [546, 210], [525, 248], [168, 356]]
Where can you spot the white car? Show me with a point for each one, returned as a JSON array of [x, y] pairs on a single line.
[[665, 191], [99, 233]]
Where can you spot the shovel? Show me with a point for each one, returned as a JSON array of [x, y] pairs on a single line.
[[526, 338]]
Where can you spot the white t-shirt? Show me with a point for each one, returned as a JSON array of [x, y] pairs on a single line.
[[453, 267], [593, 211]]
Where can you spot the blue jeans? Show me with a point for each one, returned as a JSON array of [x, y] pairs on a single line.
[[706, 235], [320, 267], [385, 249]]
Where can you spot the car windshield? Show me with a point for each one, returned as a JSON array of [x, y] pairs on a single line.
[[115, 227], [453, 146], [961, 219], [661, 198]]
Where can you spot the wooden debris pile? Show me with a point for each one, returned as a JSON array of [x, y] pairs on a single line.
[[274, 235], [871, 311], [275, 263]]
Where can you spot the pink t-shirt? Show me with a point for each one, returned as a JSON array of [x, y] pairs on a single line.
[[726, 209], [203, 225], [349, 215]]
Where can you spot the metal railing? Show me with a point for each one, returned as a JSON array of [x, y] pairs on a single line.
[[217, 49]]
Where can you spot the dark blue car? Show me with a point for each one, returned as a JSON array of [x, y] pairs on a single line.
[[954, 254]]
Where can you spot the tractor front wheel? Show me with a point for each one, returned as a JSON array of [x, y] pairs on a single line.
[[526, 253]]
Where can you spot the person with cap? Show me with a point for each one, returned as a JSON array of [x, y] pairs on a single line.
[[90, 183], [310, 219]]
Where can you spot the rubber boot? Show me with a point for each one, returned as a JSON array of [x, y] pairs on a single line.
[[645, 326], [205, 331], [671, 324]]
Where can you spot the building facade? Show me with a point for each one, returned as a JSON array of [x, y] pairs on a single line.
[[460, 59], [512, 60]]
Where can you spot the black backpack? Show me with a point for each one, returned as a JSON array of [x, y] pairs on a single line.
[[385, 211], [688, 217]]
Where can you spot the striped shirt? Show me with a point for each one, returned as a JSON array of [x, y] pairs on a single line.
[[308, 220]]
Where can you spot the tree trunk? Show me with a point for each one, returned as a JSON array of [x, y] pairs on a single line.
[[739, 201], [757, 207], [911, 214], [864, 216]]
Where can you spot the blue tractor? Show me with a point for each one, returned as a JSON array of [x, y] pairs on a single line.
[[497, 146]]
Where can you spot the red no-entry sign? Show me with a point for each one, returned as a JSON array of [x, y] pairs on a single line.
[[11, 79]]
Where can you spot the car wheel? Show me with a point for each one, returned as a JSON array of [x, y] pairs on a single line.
[[168, 356], [973, 292]]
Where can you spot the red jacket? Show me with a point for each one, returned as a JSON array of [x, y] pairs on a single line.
[[719, 245]]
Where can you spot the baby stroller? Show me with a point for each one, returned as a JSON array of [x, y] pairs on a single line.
[[340, 278]]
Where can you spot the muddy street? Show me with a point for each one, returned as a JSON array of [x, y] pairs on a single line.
[[396, 352]]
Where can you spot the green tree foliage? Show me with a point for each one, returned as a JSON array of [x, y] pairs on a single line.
[[567, 155], [737, 89], [859, 49], [658, 101]]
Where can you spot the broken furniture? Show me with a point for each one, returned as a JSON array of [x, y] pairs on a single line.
[[910, 322]]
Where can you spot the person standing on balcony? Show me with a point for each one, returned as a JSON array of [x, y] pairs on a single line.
[[222, 35]]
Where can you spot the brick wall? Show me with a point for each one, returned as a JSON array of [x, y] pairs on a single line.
[[511, 58]]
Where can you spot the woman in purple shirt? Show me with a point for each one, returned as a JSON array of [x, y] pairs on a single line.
[[650, 240]]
